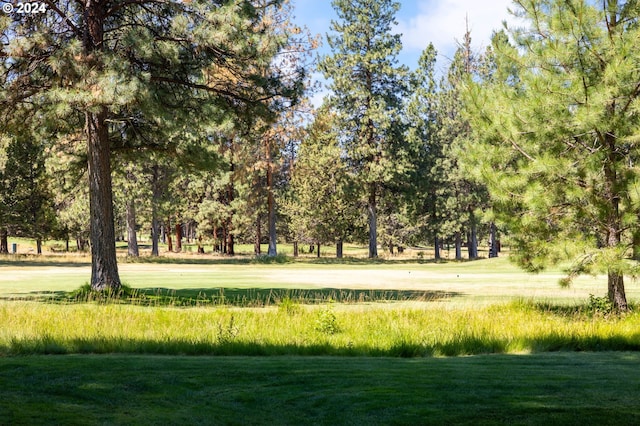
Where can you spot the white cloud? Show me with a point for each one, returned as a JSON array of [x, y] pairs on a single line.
[[442, 22]]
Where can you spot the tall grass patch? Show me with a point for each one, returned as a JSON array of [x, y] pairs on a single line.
[[417, 330]]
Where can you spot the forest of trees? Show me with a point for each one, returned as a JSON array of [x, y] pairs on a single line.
[[192, 119]]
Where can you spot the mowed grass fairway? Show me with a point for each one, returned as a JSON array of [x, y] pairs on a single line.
[[313, 342], [488, 280], [550, 389]]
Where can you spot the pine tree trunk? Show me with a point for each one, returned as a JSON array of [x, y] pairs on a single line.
[[373, 223], [230, 244], [339, 249], [272, 215], [472, 241], [167, 235], [616, 291], [493, 241], [256, 248], [104, 266], [155, 234], [458, 245], [155, 223], [132, 235], [4, 240], [178, 237], [230, 198]]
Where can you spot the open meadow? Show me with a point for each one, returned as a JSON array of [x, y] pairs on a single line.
[[246, 341]]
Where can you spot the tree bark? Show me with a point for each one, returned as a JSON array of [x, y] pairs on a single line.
[[256, 248], [339, 249], [472, 240], [273, 251], [230, 244], [295, 249], [39, 246], [178, 237], [155, 199], [104, 265], [132, 235], [493, 241], [458, 245], [373, 222], [436, 253], [318, 254], [616, 291], [4, 240]]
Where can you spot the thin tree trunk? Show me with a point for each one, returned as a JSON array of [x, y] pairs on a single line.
[[178, 237], [256, 248], [166, 237], [437, 248], [4, 240], [39, 245], [458, 245], [318, 254], [493, 241], [373, 222], [339, 249], [295, 249], [155, 235], [155, 199], [472, 241], [230, 198], [132, 235], [230, 244], [273, 251]]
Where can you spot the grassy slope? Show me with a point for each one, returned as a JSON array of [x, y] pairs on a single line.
[[558, 388]]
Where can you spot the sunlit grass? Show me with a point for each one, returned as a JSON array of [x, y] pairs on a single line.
[[407, 331]]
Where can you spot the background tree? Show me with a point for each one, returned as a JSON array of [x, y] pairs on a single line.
[[319, 203], [558, 130], [368, 88]]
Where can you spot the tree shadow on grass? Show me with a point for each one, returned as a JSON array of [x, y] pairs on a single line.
[[226, 340], [243, 297], [34, 262]]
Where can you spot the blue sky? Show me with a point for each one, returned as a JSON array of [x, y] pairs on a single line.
[[441, 22]]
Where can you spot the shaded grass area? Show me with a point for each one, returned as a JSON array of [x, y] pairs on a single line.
[[567, 389], [378, 330], [222, 296]]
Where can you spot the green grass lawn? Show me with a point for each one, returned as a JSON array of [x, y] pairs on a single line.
[[550, 389], [484, 281], [103, 363]]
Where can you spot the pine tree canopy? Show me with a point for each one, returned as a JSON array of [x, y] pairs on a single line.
[[558, 125], [160, 70]]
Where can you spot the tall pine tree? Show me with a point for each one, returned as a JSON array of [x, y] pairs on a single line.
[[368, 87], [173, 63]]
